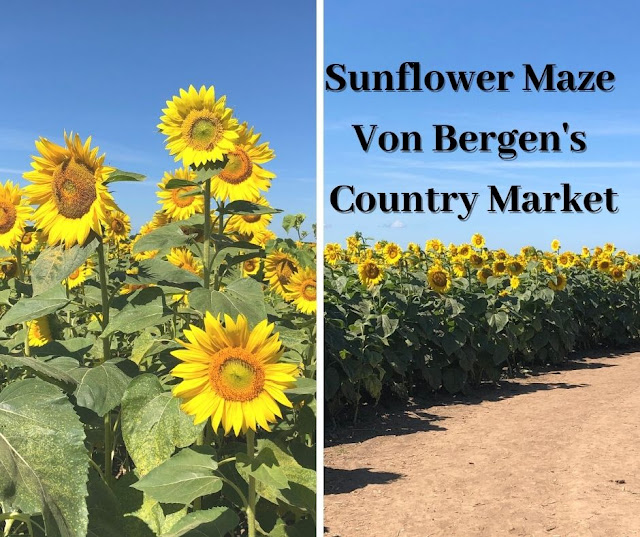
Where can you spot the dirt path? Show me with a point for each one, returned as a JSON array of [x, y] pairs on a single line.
[[556, 454]]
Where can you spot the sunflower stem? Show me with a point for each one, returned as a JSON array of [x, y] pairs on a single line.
[[251, 500], [25, 326], [207, 233]]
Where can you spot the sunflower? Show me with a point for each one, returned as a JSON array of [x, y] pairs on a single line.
[[301, 290], [515, 267], [464, 250], [617, 273], [514, 282], [478, 240], [8, 268], [434, 245], [499, 267], [39, 332], [29, 241], [261, 238], [14, 212], [415, 249], [250, 223], [484, 274], [555, 245], [243, 177], [251, 266], [476, 261], [80, 275], [332, 253], [439, 279], [392, 253], [184, 259], [279, 267], [176, 202], [370, 273], [198, 127], [118, 226], [559, 284], [67, 184], [604, 264], [232, 375]]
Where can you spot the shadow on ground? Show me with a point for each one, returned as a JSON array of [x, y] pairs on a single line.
[[337, 481]]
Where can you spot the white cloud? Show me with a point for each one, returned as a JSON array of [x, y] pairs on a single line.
[[397, 224]]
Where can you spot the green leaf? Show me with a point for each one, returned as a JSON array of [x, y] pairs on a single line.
[[215, 522], [499, 320], [183, 478], [145, 308], [242, 207], [43, 458], [27, 309], [163, 239], [55, 264], [160, 272], [47, 367], [105, 513], [153, 424], [121, 175], [101, 388], [209, 170], [180, 183], [266, 470], [243, 296]]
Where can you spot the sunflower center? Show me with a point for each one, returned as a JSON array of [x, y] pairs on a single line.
[[117, 226], [238, 168], [27, 238], [249, 265], [8, 216], [236, 375], [251, 218], [285, 269], [372, 271], [74, 189], [440, 278], [309, 290], [202, 129], [74, 274], [179, 199]]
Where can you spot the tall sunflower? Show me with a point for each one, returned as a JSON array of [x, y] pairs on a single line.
[[67, 184], [232, 375], [301, 290], [243, 177], [176, 202], [392, 253], [14, 212], [198, 127], [279, 267]]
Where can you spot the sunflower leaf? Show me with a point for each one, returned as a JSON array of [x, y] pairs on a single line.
[[55, 264], [101, 388], [162, 239], [46, 367], [209, 170], [240, 297], [242, 207], [145, 308], [153, 424], [120, 175], [183, 478], [215, 522], [43, 457], [179, 183], [27, 309]]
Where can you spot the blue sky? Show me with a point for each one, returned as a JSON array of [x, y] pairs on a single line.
[[107, 69], [496, 35]]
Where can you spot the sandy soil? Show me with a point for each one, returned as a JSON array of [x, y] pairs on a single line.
[[555, 454]]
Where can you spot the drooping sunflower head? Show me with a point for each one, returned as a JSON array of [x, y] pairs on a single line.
[[279, 267], [198, 127], [184, 259], [39, 332], [476, 260], [392, 253], [617, 273], [232, 374], [8, 268], [176, 203], [515, 266], [14, 213], [301, 290], [67, 185], [118, 226], [439, 279], [248, 224], [478, 240], [370, 273], [484, 274], [243, 177]]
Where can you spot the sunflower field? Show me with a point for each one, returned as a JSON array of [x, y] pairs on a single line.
[[408, 321], [162, 383]]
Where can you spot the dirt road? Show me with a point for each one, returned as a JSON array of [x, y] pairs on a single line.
[[555, 454]]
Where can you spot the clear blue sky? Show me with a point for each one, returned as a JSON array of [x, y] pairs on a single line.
[[499, 35], [106, 69]]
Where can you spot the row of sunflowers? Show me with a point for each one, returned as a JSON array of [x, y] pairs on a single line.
[[160, 383], [408, 321]]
